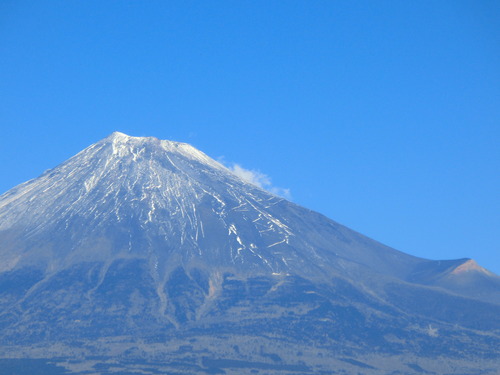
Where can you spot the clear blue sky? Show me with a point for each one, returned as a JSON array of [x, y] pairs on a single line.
[[382, 115]]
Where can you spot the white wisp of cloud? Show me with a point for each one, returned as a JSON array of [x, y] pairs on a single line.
[[259, 179]]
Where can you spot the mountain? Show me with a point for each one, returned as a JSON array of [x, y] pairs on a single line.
[[140, 255]]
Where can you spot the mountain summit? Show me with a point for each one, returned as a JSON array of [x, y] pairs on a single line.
[[150, 246], [161, 200]]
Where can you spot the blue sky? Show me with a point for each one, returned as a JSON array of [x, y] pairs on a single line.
[[382, 115]]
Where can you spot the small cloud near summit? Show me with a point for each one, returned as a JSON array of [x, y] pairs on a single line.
[[259, 179], [252, 176]]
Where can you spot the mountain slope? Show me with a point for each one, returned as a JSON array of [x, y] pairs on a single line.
[[141, 244]]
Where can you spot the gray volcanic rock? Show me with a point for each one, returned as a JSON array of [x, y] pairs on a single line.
[[146, 256]]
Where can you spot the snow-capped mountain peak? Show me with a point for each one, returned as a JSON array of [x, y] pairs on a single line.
[[170, 190], [166, 200], [142, 248]]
